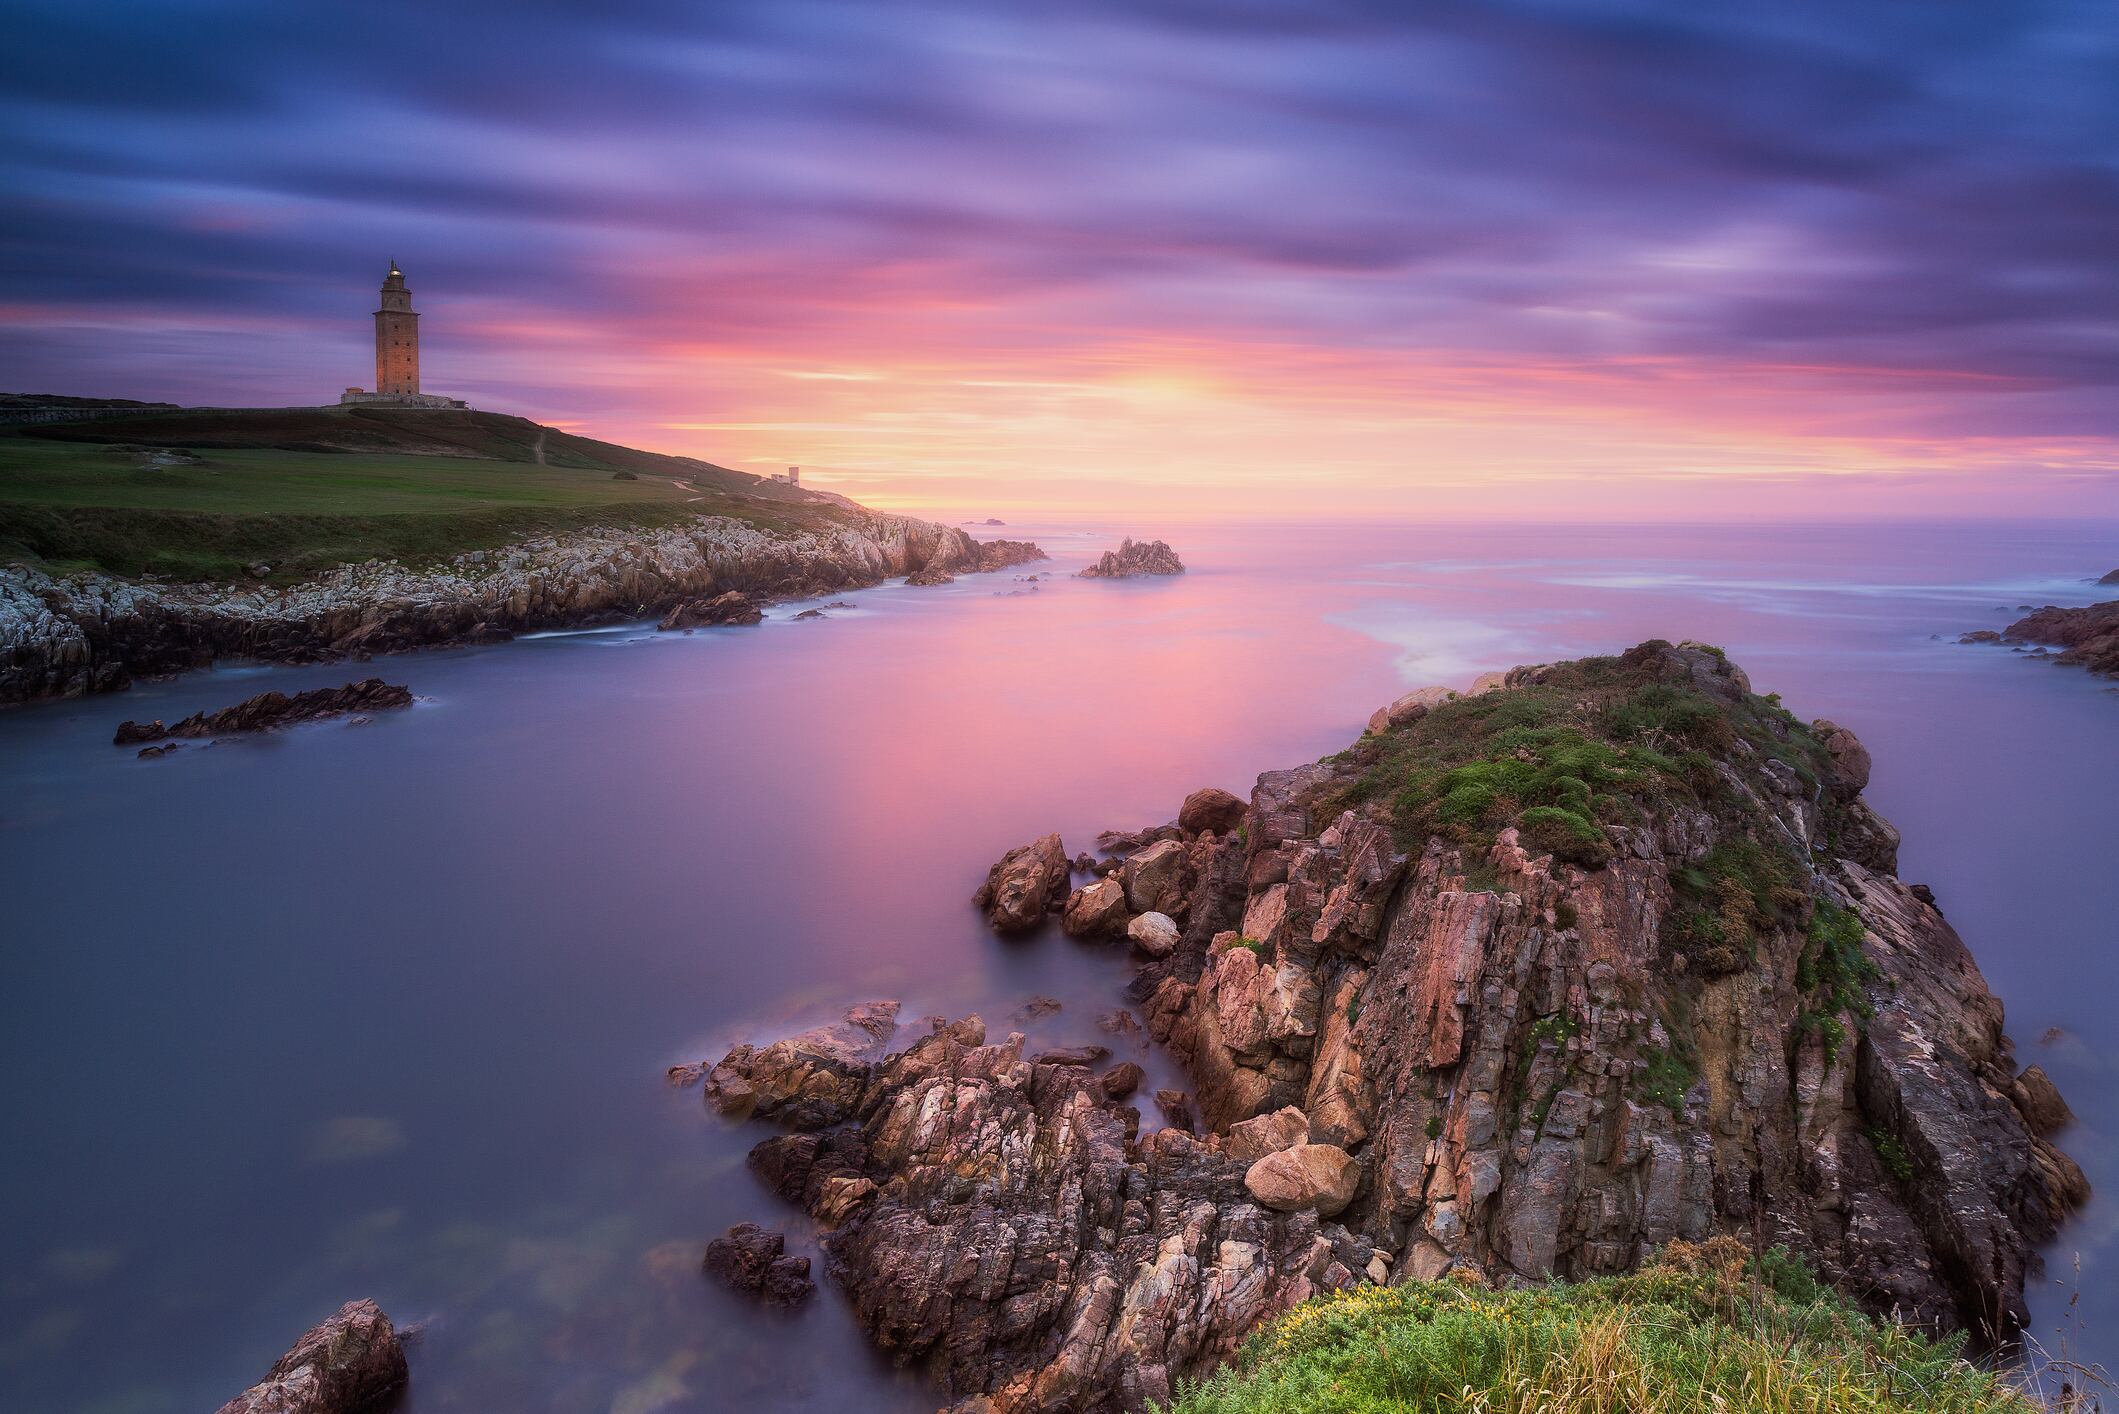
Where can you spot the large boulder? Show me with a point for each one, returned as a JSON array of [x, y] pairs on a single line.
[[1252, 1139], [1410, 708], [1154, 878], [1097, 911], [1154, 934], [1028, 882], [1210, 809], [1850, 759], [352, 1362], [1305, 1176]]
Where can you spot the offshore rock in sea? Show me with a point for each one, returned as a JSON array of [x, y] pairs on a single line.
[[268, 710], [2089, 635], [1527, 986], [734, 607], [349, 1364], [1134, 557], [753, 1261], [1024, 885]]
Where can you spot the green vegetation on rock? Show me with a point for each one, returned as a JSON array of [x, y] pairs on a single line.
[[1700, 1330]]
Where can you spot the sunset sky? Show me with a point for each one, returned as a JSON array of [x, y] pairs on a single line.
[[1572, 258]]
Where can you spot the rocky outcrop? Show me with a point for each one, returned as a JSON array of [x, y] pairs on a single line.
[[2109, 577], [350, 1364], [753, 1261], [269, 710], [1210, 811], [1135, 557], [77, 634], [2089, 637], [1097, 910], [1026, 884], [1005, 554], [1018, 1238], [733, 608], [1524, 991]]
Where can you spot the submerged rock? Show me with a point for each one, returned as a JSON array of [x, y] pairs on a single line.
[[268, 710], [349, 1364], [753, 1261], [1134, 557]]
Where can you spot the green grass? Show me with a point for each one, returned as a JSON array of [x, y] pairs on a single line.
[[1701, 1330], [1603, 741], [199, 496]]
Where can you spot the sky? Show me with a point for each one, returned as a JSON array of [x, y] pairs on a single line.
[[1524, 259]]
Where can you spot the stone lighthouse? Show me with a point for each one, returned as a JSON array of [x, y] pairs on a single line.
[[396, 338], [397, 352]]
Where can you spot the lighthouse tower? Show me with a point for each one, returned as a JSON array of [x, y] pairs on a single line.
[[396, 338], [396, 354]]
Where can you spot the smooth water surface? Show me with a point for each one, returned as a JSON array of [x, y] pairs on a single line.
[[383, 1010]]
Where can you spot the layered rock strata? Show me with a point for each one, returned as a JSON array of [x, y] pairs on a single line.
[[1528, 982]]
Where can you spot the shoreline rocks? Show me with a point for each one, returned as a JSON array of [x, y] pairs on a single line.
[[733, 608], [2088, 636], [68, 636], [1421, 1045], [1135, 557], [1024, 885], [269, 711], [351, 1363]]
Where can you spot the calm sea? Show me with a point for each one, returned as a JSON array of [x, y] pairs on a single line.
[[384, 1010]]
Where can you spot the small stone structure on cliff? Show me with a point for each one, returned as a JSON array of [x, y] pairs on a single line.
[[397, 353]]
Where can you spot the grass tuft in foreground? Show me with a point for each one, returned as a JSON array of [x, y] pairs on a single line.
[[1700, 1329]]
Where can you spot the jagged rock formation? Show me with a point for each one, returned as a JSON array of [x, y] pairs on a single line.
[[2089, 636], [1531, 982], [1025, 885], [733, 608], [268, 710], [65, 637], [1134, 557], [349, 1364]]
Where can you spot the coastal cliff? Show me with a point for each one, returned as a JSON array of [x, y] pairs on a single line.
[[63, 636], [1529, 982]]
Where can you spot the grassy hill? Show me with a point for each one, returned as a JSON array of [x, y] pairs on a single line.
[[1698, 1331], [204, 493]]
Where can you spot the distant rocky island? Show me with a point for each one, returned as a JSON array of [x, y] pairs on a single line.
[[2087, 637], [1595, 960], [1135, 557], [524, 528]]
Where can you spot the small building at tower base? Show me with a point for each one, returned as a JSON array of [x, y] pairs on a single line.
[[363, 398]]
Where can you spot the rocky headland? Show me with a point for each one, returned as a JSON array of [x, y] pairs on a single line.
[[64, 636], [2088, 637], [1135, 557], [1528, 982]]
